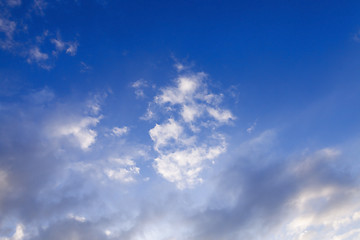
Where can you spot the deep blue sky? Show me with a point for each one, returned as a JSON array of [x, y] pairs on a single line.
[[227, 119]]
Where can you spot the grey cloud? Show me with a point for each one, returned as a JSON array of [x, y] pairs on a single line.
[[35, 184], [72, 230], [264, 197]]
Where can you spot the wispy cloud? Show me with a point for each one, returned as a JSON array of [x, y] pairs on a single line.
[[116, 131], [139, 87], [69, 47], [39, 6], [16, 38], [13, 3], [7, 27], [250, 129], [85, 67]]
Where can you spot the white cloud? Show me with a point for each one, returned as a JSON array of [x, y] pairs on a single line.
[[184, 91], [120, 131], [223, 116], [251, 128], [79, 130], [139, 86], [77, 218], [184, 166], [123, 174], [193, 97], [69, 47], [72, 48], [179, 66], [59, 45], [36, 55], [162, 134], [7, 27], [184, 142], [127, 161], [191, 112]]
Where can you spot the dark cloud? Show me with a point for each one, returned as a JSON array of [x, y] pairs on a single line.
[[264, 196], [35, 183]]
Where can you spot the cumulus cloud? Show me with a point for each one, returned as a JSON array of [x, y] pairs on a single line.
[[195, 110], [57, 170], [78, 129]]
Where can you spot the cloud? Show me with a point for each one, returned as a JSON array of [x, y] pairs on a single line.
[[39, 6], [123, 174], [35, 183], [85, 67], [182, 152], [18, 235], [163, 134], [70, 48], [78, 129], [192, 96], [16, 38], [72, 230], [58, 168], [119, 131], [7, 27], [35, 55], [139, 86], [124, 170], [13, 3], [250, 129], [304, 198]]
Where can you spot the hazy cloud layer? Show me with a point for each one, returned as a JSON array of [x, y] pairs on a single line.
[[64, 174]]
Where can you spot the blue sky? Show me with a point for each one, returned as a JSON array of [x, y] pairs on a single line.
[[179, 120]]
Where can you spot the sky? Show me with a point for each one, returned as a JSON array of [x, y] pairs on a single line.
[[179, 120]]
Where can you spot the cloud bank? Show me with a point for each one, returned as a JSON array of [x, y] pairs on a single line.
[[182, 179]]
